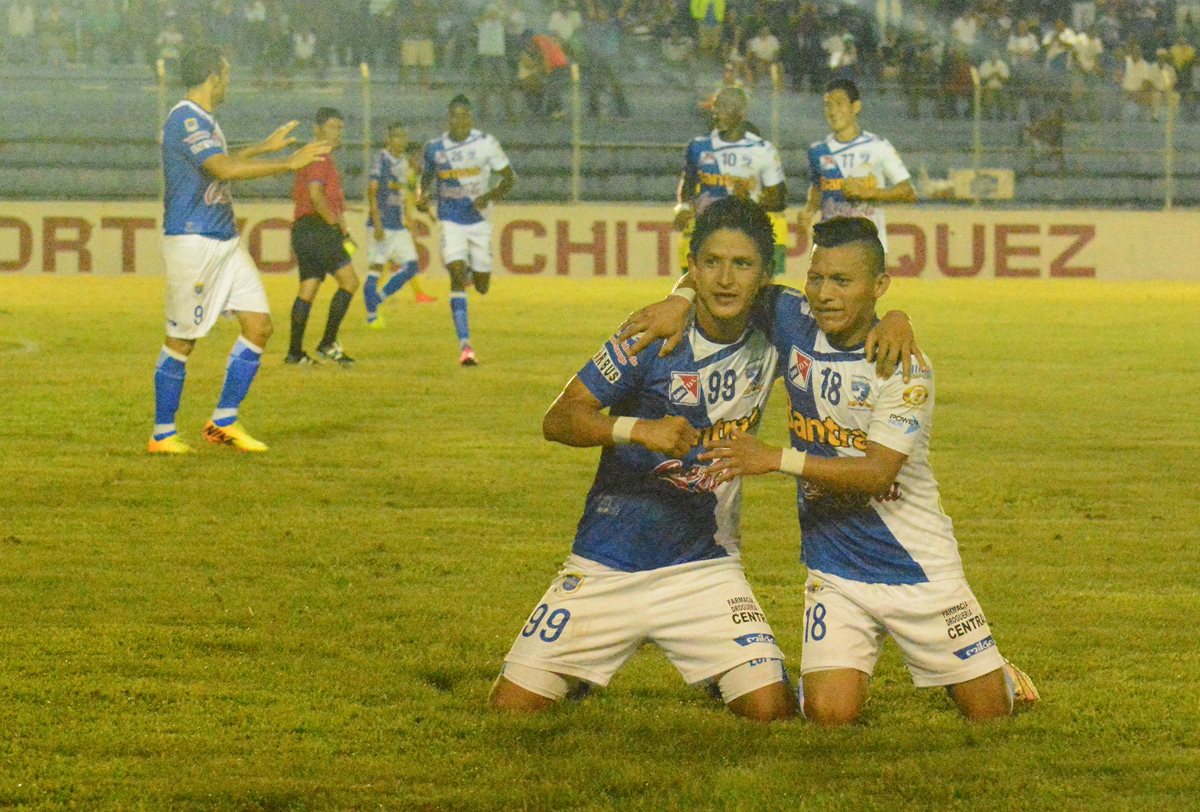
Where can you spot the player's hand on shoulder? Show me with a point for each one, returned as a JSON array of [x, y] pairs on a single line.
[[666, 320], [281, 138], [893, 342], [671, 435], [740, 454]]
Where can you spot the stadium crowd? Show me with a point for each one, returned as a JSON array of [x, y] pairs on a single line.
[[1094, 59]]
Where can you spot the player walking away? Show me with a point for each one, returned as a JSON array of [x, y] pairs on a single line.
[[881, 555], [731, 160], [208, 272], [853, 170], [461, 162], [389, 242], [655, 558], [322, 246]]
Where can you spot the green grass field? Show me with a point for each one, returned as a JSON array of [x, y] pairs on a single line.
[[319, 627]]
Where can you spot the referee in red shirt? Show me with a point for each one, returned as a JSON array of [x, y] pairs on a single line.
[[319, 240]]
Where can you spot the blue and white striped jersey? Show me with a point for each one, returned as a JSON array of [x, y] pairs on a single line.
[[646, 510], [193, 202], [837, 405], [391, 173], [463, 170], [830, 162], [720, 168]]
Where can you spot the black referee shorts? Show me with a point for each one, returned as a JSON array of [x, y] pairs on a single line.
[[318, 247]]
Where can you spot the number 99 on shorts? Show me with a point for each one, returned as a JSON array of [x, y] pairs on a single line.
[[553, 626]]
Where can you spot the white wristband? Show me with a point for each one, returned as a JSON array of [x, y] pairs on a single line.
[[684, 207], [685, 293], [622, 430], [792, 462]]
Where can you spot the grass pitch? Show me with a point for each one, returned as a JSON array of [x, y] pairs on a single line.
[[318, 627]]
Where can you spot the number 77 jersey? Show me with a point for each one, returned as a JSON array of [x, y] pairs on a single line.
[[838, 405]]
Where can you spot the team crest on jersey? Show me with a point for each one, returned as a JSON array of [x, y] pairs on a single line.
[[191, 125], [828, 162], [860, 393], [570, 583], [440, 157], [799, 368], [685, 388], [707, 157]]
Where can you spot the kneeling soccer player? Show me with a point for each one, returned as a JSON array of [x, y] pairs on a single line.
[[881, 555], [655, 557]]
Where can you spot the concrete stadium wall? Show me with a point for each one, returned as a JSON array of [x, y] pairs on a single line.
[[628, 240]]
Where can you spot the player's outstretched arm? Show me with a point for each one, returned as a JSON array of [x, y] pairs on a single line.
[[232, 167], [576, 419], [282, 138], [742, 454], [892, 341]]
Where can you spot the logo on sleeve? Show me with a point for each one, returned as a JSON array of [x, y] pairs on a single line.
[[916, 395], [685, 388], [909, 424], [828, 162], [191, 125], [799, 368], [606, 367]]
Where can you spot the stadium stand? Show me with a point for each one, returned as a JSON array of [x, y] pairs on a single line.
[[82, 121]]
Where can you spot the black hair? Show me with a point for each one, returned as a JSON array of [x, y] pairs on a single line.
[[848, 230], [198, 63], [396, 125], [847, 86], [738, 214], [326, 113], [460, 100]]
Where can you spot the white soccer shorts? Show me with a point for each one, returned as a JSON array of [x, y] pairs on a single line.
[[397, 247], [205, 279], [938, 626], [703, 615], [471, 244]]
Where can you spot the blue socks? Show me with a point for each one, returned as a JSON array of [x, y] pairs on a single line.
[[244, 360], [399, 279], [458, 309], [169, 372], [371, 294]]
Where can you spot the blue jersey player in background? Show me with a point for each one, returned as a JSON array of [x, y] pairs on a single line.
[[208, 273], [457, 170], [656, 554], [731, 160], [389, 241]]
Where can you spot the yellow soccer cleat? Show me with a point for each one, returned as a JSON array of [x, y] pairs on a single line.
[[1025, 693], [233, 435], [377, 323], [169, 445]]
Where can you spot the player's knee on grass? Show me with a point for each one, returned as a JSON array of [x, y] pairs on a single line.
[[834, 698], [984, 698], [525, 689], [758, 691]]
